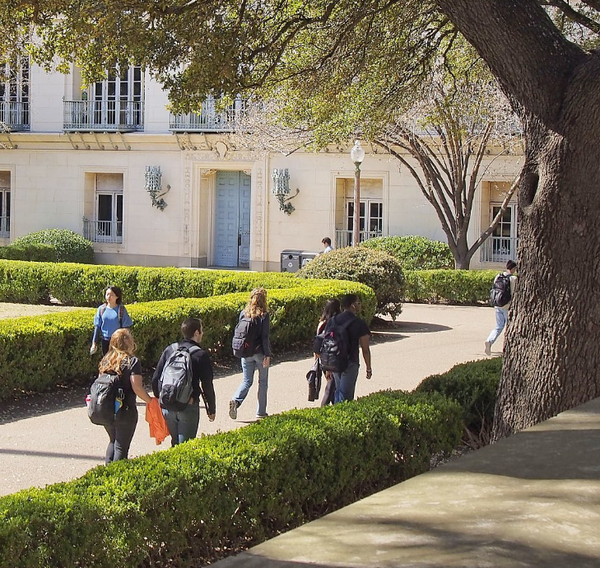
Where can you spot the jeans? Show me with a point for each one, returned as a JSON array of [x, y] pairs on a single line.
[[120, 434], [249, 365], [182, 424], [345, 383], [501, 319]]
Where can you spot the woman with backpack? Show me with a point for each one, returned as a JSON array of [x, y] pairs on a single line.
[[120, 360], [332, 308], [110, 316], [256, 354]]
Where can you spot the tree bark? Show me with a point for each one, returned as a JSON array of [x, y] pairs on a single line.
[[551, 360]]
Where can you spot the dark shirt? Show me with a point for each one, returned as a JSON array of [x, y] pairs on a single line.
[[262, 342], [357, 329], [132, 366], [202, 373]]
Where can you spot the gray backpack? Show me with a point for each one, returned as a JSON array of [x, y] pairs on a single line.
[[175, 384]]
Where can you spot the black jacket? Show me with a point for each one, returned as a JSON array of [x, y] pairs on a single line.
[[202, 373]]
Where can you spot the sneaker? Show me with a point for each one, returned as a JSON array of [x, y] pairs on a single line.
[[261, 416], [233, 406], [488, 348]]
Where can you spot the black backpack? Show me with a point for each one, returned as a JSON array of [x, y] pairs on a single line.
[[176, 380], [244, 339], [106, 399], [334, 346], [500, 292]]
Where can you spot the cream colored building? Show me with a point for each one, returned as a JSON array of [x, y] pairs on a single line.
[[86, 159]]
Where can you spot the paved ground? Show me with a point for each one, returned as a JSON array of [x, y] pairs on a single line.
[[529, 501], [50, 439]]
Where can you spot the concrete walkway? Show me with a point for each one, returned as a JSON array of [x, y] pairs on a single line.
[[532, 500], [48, 438]]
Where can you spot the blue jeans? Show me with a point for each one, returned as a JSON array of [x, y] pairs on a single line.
[[501, 319], [182, 424], [249, 365], [345, 383]]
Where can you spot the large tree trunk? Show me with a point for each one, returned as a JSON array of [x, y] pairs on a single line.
[[552, 359]]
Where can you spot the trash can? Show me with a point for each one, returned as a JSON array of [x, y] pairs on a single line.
[[290, 260], [306, 257]]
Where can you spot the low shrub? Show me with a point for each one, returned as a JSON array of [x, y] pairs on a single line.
[[70, 246], [448, 286], [228, 490], [31, 252], [414, 252], [377, 269], [37, 353], [474, 386]]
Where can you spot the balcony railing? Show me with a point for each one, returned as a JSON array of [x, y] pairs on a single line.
[[14, 115], [499, 249], [210, 120], [344, 238], [4, 227], [103, 231], [103, 116]]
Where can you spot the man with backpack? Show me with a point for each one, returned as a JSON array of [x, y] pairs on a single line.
[[183, 374], [501, 295], [343, 336]]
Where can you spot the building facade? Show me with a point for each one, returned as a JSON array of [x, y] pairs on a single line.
[[149, 188]]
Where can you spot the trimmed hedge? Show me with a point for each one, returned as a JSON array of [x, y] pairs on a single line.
[[37, 353], [227, 490], [474, 386], [70, 246], [29, 252], [414, 252], [376, 269], [449, 286]]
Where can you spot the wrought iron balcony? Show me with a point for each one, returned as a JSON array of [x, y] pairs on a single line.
[[103, 116], [209, 120], [499, 249], [103, 231], [14, 116], [344, 238]]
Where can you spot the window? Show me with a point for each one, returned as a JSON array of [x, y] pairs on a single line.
[[504, 238], [371, 218], [4, 204], [107, 223], [14, 94]]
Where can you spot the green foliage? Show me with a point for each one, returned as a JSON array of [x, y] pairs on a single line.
[[377, 269], [29, 251], [37, 353], [474, 386], [70, 247], [448, 286], [228, 489], [414, 252], [24, 282]]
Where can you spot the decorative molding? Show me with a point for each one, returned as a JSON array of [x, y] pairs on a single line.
[[207, 172], [259, 211], [187, 205]]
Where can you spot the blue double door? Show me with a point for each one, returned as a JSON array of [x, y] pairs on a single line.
[[232, 230]]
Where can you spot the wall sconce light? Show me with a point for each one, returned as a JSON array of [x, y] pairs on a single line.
[[154, 187], [281, 188]]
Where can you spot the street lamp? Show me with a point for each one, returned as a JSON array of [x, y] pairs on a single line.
[[357, 155]]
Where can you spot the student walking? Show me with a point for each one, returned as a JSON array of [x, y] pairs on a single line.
[[358, 336], [120, 360], [183, 417], [110, 316], [255, 318], [502, 293], [332, 309]]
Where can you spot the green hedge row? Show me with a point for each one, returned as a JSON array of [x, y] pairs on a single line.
[[474, 386], [448, 286], [34, 252], [37, 353], [84, 285], [227, 490]]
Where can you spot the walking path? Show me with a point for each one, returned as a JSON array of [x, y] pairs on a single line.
[[48, 438], [529, 501]]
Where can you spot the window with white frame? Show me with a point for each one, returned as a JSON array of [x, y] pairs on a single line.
[[14, 93], [4, 204], [371, 218], [504, 238], [107, 223]]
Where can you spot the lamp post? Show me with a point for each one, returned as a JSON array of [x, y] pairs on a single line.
[[357, 155]]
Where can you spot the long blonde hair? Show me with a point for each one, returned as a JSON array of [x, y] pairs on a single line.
[[257, 304], [121, 349]]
